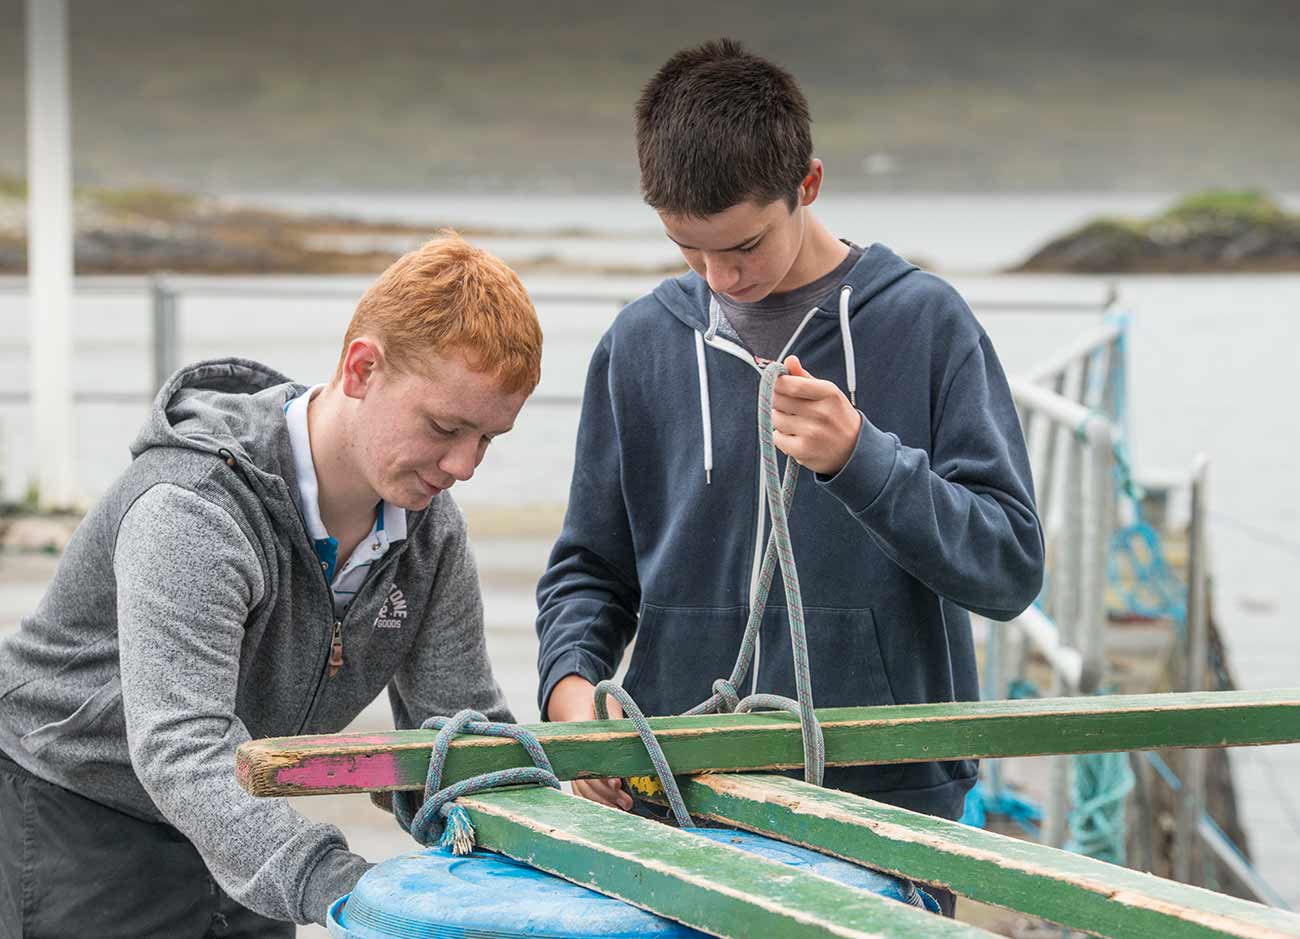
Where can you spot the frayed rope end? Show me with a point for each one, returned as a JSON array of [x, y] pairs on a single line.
[[458, 834]]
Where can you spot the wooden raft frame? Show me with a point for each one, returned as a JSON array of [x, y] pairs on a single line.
[[297, 766], [709, 886], [725, 892], [1068, 889]]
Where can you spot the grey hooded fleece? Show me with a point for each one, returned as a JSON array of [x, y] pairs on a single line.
[[190, 614]]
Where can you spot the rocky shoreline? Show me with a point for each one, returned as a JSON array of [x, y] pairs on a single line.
[[142, 231], [1209, 233]]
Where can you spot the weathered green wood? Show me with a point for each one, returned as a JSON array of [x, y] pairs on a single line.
[[1074, 891], [729, 742], [711, 887]]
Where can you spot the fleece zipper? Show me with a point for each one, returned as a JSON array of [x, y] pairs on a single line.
[[333, 661]]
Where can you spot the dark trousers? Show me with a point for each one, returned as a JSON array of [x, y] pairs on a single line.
[[73, 867]]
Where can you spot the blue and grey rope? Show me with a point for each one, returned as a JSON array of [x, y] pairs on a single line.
[[439, 819], [779, 491], [657, 758], [780, 496]]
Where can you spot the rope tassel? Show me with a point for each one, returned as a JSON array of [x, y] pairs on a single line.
[[458, 835]]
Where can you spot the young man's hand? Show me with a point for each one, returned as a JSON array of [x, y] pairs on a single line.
[[573, 699], [812, 420]]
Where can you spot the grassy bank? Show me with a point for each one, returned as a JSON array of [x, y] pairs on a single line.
[[1218, 231]]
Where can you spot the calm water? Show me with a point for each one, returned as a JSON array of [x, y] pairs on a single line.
[[1213, 368]]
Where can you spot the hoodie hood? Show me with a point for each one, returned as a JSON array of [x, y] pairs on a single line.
[[690, 300], [220, 406]]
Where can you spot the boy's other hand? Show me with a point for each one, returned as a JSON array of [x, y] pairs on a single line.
[[573, 699], [812, 420]]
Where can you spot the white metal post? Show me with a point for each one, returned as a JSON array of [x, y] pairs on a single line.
[[1098, 525], [1067, 582], [1191, 798], [49, 250]]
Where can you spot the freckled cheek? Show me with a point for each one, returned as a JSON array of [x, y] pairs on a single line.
[[419, 457]]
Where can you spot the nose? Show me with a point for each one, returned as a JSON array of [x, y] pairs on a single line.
[[460, 460], [722, 275]]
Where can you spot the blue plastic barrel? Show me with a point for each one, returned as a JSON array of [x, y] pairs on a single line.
[[433, 894]]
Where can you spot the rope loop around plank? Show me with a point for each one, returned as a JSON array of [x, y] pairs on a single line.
[[439, 820]]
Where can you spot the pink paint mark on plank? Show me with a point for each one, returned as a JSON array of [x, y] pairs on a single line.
[[329, 772]]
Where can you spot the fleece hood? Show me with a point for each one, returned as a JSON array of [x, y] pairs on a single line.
[[220, 407]]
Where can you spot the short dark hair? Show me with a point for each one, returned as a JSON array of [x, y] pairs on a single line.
[[717, 126]]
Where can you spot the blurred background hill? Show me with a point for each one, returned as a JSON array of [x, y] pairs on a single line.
[[495, 96]]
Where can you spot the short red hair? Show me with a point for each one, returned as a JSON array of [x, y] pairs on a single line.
[[447, 295]]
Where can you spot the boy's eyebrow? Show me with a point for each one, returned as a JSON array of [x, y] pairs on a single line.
[[735, 247]]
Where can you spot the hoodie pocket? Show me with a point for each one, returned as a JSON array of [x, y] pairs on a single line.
[[844, 657], [80, 720], [679, 653]]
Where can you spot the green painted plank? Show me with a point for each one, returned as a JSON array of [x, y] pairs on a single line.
[[729, 742], [711, 887], [1074, 891]]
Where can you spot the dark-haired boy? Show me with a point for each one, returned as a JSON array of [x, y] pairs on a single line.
[[920, 507]]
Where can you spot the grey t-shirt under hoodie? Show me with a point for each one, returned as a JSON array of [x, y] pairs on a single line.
[[765, 326]]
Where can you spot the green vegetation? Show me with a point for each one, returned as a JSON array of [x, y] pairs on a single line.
[[1237, 205], [146, 201], [1211, 231]]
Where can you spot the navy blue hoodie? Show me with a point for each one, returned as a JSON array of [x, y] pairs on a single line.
[[932, 516]]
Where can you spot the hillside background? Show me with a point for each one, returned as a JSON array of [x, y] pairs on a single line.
[[490, 96]]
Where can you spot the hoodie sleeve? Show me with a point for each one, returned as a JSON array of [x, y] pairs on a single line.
[[449, 668], [961, 517], [187, 577], [588, 597]]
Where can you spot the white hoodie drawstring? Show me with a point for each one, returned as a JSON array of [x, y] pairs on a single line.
[[706, 417], [846, 339]]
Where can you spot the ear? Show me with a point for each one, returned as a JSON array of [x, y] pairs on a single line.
[[362, 361], [812, 183]]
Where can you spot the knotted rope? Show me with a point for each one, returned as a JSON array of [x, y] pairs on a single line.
[[439, 819]]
